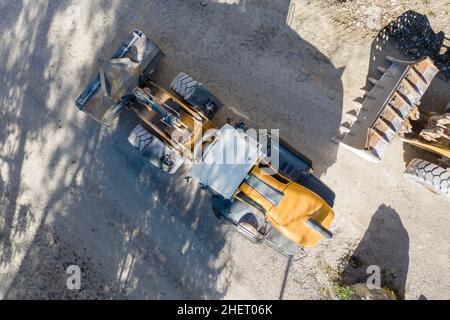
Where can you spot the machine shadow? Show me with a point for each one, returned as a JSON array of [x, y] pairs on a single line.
[[386, 245], [156, 244], [411, 37]]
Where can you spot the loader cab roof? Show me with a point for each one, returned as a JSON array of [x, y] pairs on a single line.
[[226, 162]]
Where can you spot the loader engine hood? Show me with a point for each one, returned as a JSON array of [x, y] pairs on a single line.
[[287, 206], [298, 205]]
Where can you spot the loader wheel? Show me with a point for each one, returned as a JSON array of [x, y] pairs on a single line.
[[140, 138], [431, 176], [197, 95], [184, 85]]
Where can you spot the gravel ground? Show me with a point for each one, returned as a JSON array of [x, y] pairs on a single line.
[[72, 192], [416, 28], [372, 15]]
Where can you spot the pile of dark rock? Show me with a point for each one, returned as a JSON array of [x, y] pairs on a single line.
[[411, 34]]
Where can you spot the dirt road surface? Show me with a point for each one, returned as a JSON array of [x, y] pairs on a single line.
[[74, 193]]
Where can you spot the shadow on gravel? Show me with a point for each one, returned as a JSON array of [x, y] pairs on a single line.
[[72, 193], [298, 89], [412, 35], [386, 245]]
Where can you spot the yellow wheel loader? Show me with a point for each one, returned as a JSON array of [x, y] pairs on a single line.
[[392, 108], [280, 203]]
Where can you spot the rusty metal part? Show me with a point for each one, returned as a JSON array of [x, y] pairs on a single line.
[[102, 98], [386, 108], [438, 129], [432, 147]]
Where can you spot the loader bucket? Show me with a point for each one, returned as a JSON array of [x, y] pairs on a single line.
[[102, 98], [385, 109]]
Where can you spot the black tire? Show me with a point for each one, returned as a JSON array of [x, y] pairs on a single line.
[[431, 176], [140, 138], [184, 85]]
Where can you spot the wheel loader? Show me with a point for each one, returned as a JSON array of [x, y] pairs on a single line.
[[391, 109], [287, 207]]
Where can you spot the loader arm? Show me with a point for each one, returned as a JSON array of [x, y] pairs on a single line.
[[429, 146]]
